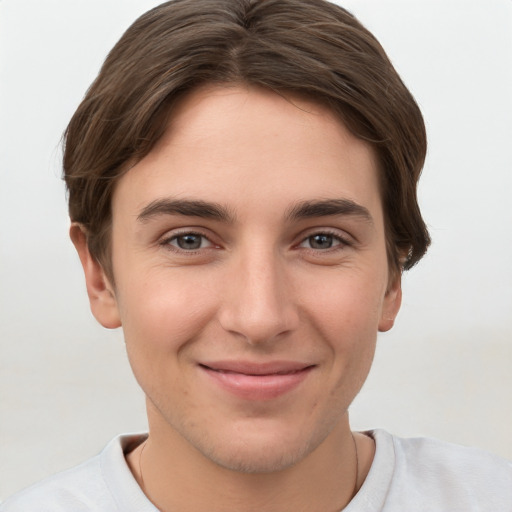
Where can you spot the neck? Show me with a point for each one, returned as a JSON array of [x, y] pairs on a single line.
[[175, 476]]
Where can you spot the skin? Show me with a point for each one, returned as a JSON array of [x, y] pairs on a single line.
[[260, 286]]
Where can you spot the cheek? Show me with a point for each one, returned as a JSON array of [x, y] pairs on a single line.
[[162, 309], [351, 340], [346, 314], [346, 302], [162, 314]]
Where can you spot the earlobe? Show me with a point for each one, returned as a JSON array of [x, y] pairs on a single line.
[[391, 304], [99, 289]]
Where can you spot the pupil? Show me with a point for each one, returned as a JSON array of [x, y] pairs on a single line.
[[321, 241], [189, 242]]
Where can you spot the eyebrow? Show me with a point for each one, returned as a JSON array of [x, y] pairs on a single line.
[[189, 208], [215, 211], [328, 207]]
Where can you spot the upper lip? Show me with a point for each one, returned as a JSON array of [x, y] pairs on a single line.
[[253, 368]]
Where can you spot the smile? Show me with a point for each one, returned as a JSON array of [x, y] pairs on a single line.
[[257, 381]]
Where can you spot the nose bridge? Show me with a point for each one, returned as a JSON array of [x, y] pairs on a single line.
[[258, 302]]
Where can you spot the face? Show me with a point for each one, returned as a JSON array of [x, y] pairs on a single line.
[[251, 277]]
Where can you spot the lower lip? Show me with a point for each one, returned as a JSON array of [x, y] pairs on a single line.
[[257, 387]]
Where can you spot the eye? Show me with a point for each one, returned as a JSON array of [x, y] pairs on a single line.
[[188, 242], [322, 241]]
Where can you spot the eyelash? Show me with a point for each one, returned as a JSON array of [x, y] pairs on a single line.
[[342, 242], [166, 242]]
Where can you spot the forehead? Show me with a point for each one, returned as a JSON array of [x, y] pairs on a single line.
[[240, 144]]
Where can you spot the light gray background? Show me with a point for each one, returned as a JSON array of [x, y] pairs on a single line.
[[444, 371]]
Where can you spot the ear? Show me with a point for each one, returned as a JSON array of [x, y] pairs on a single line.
[[101, 293], [391, 304]]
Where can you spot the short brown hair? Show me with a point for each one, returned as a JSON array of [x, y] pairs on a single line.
[[312, 48]]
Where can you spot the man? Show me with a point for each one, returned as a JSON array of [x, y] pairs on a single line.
[[242, 189]]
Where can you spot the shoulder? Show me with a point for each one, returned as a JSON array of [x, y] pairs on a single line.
[[452, 477], [90, 486], [77, 489]]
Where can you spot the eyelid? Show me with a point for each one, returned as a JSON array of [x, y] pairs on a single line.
[[344, 238], [165, 240]]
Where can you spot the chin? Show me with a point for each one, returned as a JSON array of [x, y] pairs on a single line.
[[262, 458], [258, 450]]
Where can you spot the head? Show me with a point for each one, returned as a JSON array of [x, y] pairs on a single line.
[[242, 181], [308, 48]]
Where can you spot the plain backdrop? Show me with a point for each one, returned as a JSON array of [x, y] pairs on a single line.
[[443, 371]]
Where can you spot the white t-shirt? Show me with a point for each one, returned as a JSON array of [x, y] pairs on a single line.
[[407, 475]]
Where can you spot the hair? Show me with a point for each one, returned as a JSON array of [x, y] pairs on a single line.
[[311, 48]]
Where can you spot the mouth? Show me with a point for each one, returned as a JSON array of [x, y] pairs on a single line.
[[257, 381]]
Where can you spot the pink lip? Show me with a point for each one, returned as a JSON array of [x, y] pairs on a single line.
[[257, 381]]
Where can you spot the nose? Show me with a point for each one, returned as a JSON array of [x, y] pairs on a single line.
[[259, 302]]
